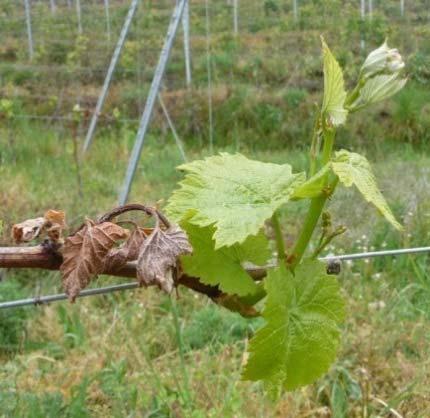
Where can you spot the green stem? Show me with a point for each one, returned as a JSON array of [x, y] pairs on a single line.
[[314, 147], [316, 207], [311, 220], [280, 244]]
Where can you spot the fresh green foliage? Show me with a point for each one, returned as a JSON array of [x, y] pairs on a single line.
[[223, 266], [233, 193], [334, 90], [300, 339], [354, 169], [224, 202]]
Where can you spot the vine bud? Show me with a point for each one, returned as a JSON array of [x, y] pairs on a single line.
[[382, 60]]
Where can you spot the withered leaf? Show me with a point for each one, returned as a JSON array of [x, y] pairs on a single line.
[[52, 224], [129, 251], [158, 257], [28, 230], [84, 254]]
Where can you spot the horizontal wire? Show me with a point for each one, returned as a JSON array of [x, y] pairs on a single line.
[[40, 300]]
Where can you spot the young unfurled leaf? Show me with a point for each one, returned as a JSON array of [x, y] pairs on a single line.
[[377, 89], [51, 224], [352, 168], [313, 187], [301, 337], [158, 257], [84, 254], [223, 266], [233, 193], [334, 91]]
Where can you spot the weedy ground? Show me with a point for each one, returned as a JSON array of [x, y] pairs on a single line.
[[140, 353]]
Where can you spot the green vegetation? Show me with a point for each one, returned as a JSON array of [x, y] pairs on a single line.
[[119, 355]]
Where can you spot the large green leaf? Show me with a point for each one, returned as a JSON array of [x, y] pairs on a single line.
[[223, 266], [352, 168], [233, 193], [301, 337], [334, 90]]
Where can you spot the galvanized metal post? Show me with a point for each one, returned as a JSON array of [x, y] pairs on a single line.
[[295, 9], [79, 16], [106, 2], [186, 30], [236, 16], [402, 8], [111, 69], [363, 16], [53, 6], [29, 31], [152, 97]]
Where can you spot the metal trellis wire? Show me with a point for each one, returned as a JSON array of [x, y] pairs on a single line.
[[41, 300]]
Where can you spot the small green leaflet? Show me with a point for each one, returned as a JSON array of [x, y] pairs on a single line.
[[334, 90], [378, 88], [313, 186], [301, 337], [233, 193], [352, 168], [223, 266]]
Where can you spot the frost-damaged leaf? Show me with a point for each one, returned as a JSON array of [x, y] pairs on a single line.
[[55, 224], [223, 266], [233, 193], [129, 251], [158, 257], [84, 254], [334, 90], [28, 230], [301, 337], [352, 168], [52, 224]]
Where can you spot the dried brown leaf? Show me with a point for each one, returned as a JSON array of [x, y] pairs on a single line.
[[158, 257], [28, 230], [85, 252], [129, 251], [56, 217], [52, 224]]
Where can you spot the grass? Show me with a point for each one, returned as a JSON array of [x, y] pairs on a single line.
[[140, 354]]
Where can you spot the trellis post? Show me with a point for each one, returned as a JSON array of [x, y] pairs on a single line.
[[53, 6], [109, 74], [106, 3], [236, 16], [29, 30], [363, 16], [186, 30], [152, 97], [295, 10], [402, 8], [79, 16]]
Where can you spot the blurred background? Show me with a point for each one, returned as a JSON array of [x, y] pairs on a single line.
[[252, 86]]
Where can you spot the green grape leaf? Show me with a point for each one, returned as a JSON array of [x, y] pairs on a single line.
[[313, 186], [223, 266], [300, 339], [352, 168], [334, 89], [233, 193]]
